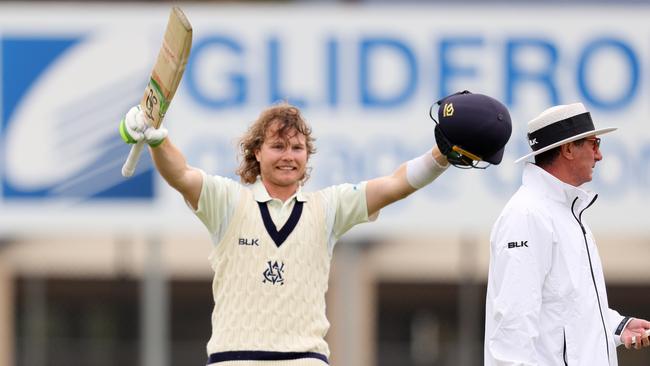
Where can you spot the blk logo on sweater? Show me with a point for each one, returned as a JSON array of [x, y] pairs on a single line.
[[249, 242]]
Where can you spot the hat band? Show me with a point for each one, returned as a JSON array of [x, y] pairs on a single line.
[[560, 130]]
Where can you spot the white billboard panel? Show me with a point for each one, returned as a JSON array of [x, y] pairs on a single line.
[[364, 77]]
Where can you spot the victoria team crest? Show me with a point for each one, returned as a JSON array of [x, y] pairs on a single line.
[[273, 274]]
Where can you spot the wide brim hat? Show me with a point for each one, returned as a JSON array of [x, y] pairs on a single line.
[[559, 125]]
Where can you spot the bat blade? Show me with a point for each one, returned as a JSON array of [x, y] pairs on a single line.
[[165, 77]]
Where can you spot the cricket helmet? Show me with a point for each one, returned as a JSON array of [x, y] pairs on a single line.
[[471, 128]]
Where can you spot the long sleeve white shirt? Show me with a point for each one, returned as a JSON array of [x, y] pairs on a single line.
[[546, 298]]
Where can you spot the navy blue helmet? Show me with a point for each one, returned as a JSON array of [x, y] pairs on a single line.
[[471, 128]]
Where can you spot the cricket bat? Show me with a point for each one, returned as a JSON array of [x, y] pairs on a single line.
[[164, 80]]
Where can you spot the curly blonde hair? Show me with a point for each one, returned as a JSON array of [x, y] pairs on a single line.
[[290, 120]]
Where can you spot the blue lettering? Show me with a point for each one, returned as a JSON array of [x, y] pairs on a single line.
[[332, 72], [369, 96], [614, 46], [516, 72], [237, 80], [217, 77], [275, 76], [448, 68]]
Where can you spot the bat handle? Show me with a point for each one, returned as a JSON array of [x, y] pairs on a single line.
[[132, 161]]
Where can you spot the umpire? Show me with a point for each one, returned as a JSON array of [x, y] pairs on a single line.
[[546, 297]]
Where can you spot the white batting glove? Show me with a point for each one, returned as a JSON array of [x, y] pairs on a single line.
[[134, 128], [155, 136]]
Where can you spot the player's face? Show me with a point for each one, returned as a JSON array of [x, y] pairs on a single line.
[[587, 155], [283, 160]]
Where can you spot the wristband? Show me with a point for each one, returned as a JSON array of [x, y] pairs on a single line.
[[423, 170]]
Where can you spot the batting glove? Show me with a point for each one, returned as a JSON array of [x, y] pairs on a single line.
[[134, 128]]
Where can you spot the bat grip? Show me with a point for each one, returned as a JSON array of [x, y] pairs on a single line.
[[132, 160]]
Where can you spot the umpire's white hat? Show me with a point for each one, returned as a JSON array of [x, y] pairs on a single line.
[[559, 125]]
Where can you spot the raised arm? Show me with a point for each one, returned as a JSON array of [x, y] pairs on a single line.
[[172, 166], [470, 128], [168, 159], [409, 177]]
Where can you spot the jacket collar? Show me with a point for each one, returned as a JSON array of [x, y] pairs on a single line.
[[541, 181], [262, 195]]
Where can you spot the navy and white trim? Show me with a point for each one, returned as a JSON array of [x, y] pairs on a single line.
[[262, 356], [622, 325], [280, 236]]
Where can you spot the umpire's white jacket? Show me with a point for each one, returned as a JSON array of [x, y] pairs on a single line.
[[546, 297]]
